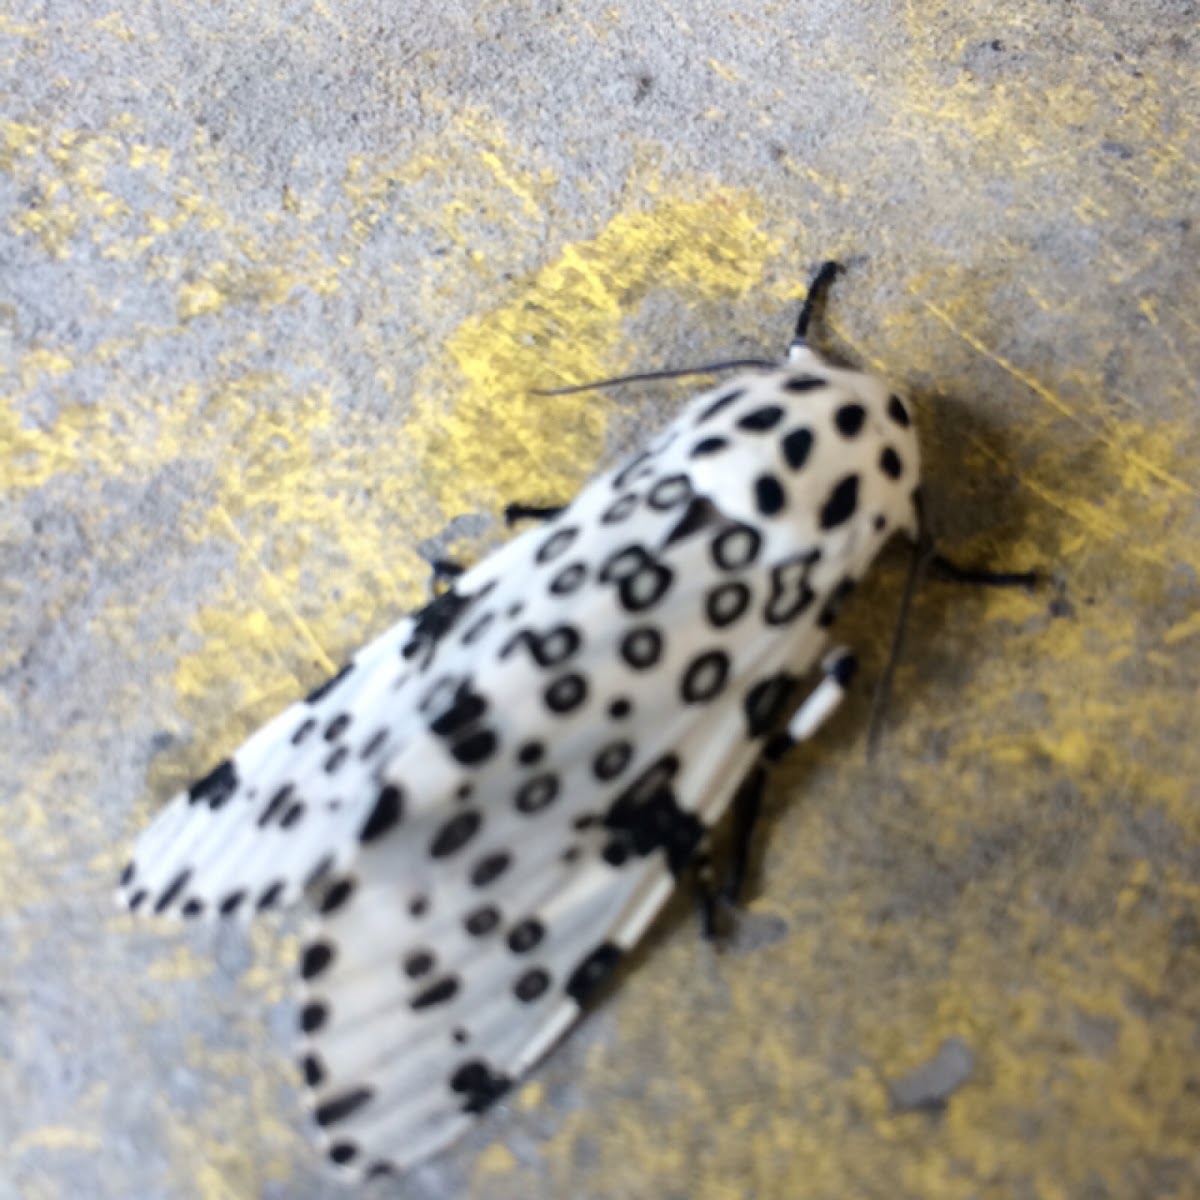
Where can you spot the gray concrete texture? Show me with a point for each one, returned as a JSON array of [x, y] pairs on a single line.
[[275, 282]]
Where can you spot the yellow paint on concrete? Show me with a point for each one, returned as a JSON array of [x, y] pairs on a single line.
[[500, 438], [768, 1070], [56, 1137], [496, 1159]]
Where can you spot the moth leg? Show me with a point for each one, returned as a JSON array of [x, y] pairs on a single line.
[[707, 897], [531, 512], [747, 807], [946, 569], [838, 670]]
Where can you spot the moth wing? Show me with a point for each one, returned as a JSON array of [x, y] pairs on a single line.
[[466, 941], [288, 806]]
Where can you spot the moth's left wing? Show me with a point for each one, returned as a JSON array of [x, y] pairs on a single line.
[[290, 805]]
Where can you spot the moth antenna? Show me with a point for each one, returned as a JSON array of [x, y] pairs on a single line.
[[731, 364], [818, 288]]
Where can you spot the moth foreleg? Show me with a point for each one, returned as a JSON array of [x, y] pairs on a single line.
[[837, 670], [531, 512]]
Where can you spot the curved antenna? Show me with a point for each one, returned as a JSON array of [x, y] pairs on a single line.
[[732, 364], [818, 286]]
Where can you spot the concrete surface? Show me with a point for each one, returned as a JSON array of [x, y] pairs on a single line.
[[274, 281]]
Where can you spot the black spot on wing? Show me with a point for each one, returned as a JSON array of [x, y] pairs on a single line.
[[276, 805], [293, 815], [532, 985], [890, 464], [569, 579], [337, 727], [645, 587], [566, 693], [466, 708], [316, 959], [592, 971], [620, 510], [479, 1085], [342, 1154], [849, 419], [303, 730], [791, 594], [482, 921], [531, 753], [726, 603], [803, 383], [550, 648], [670, 492], [373, 744], [898, 412], [418, 963], [174, 888], [537, 793], [736, 547], [796, 446], [489, 868], [216, 787], [526, 935], [441, 992], [641, 647], [337, 896], [455, 833], [769, 496], [342, 1107], [705, 677], [841, 503], [612, 760], [700, 515], [312, 1070], [556, 545], [760, 420], [708, 446], [389, 808], [476, 748], [313, 1016]]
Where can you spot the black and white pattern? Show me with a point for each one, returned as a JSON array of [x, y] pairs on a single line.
[[490, 803]]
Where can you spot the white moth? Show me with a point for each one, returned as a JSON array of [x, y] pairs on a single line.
[[488, 805]]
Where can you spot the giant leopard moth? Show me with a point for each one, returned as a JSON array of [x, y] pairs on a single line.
[[489, 804]]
